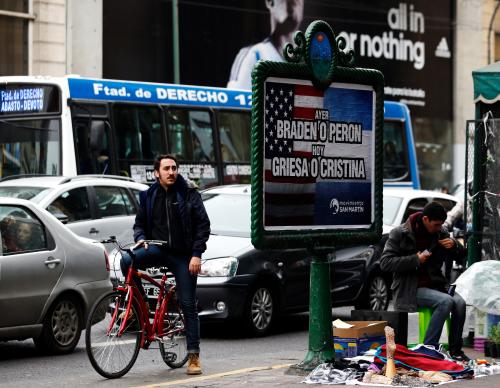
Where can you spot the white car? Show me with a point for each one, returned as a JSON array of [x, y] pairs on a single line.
[[399, 204], [49, 277], [93, 206]]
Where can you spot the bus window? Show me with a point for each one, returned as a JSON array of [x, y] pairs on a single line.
[[138, 134], [138, 131], [191, 135], [191, 140], [30, 147], [395, 158], [234, 131], [92, 146]]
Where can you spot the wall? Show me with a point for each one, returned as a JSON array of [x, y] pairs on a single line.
[[470, 52], [49, 37], [84, 34], [67, 37]]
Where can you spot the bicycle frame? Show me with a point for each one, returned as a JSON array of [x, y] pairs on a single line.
[[156, 329]]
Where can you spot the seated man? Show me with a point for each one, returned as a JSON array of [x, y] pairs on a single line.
[[415, 252]]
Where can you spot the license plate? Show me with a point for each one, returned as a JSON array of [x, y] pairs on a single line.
[[152, 291]]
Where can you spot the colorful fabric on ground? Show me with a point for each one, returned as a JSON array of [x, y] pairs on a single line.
[[416, 361]]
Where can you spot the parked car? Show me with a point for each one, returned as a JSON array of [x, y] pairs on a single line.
[[399, 204], [50, 277], [93, 206], [240, 282]]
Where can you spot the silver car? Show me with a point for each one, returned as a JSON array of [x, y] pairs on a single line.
[[93, 206], [49, 277]]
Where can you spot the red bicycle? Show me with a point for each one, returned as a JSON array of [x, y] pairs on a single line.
[[120, 324]]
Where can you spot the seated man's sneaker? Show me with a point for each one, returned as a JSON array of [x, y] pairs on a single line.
[[194, 366], [459, 356]]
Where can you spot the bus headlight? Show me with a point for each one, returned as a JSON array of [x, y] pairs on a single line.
[[223, 266]]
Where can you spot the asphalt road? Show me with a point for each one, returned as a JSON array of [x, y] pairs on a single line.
[[224, 348]]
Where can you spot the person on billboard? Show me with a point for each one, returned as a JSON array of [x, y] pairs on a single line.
[[172, 210], [285, 17], [414, 253]]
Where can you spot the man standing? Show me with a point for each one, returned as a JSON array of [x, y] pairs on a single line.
[[286, 16], [172, 210], [415, 252]]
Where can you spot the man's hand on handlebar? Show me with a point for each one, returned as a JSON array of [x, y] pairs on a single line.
[[140, 243]]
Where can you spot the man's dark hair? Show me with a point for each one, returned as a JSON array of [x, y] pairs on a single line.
[[159, 158], [434, 211]]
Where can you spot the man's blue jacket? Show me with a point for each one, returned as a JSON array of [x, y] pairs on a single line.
[[194, 218]]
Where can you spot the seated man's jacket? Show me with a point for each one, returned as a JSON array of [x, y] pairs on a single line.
[[400, 258]]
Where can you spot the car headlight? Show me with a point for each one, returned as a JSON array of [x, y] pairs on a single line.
[[223, 266]]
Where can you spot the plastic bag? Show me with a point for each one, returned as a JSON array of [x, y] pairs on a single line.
[[479, 285]]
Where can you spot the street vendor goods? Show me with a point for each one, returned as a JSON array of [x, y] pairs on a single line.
[[417, 361]]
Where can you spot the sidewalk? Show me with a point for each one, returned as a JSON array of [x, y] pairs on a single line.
[[276, 376]]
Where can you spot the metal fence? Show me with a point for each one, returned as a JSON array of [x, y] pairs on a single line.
[[482, 189]]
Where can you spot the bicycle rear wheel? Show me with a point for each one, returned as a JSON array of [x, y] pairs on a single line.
[[111, 354], [173, 348]]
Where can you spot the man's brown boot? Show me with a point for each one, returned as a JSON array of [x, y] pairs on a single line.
[[194, 366]]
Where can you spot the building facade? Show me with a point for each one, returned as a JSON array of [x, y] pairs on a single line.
[[426, 50], [51, 37]]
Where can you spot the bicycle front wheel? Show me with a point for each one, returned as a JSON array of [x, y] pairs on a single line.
[[173, 347], [112, 353]]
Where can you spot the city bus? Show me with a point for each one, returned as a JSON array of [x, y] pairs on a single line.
[[73, 125]]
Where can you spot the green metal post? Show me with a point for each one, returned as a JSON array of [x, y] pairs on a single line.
[[320, 319], [478, 181], [175, 41]]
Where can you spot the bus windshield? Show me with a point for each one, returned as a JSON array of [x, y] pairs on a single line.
[[30, 147]]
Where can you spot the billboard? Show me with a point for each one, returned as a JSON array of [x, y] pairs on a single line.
[[410, 42]]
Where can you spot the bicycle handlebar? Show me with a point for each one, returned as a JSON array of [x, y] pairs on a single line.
[[113, 240]]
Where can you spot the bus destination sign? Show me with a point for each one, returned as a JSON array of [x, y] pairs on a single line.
[[22, 99]]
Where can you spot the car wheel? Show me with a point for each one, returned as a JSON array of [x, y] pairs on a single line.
[[260, 310], [375, 296], [62, 327]]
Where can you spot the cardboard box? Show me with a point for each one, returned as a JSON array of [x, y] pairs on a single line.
[[365, 335]]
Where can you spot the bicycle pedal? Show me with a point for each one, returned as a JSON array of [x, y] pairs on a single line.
[[170, 357]]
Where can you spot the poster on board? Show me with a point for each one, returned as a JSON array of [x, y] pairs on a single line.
[[318, 156]]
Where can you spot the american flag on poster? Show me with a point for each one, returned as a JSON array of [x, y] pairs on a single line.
[[288, 200], [299, 199]]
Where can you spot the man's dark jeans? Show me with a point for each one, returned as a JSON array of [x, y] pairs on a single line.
[[443, 305], [156, 256]]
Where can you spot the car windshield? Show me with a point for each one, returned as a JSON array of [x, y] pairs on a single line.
[[391, 207], [229, 213], [23, 192]]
